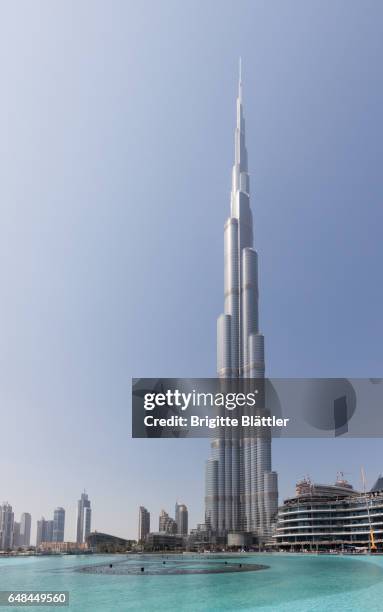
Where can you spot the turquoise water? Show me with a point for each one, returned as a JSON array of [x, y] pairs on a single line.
[[293, 583]]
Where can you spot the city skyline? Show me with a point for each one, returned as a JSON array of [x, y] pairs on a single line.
[[115, 163], [52, 530], [16, 534]]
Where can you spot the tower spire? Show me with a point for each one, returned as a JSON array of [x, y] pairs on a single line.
[[240, 178], [240, 80]]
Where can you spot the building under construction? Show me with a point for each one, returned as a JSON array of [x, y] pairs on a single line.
[[331, 517]]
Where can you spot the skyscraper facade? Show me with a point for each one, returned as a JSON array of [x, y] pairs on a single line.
[[181, 518], [25, 529], [143, 523], [44, 531], [6, 526], [166, 523], [84, 518], [58, 525], [16, 535], [241, 489]]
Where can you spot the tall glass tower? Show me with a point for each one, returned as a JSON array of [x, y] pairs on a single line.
[[25, 529], [58, 525], [84, 517], [241, 489]]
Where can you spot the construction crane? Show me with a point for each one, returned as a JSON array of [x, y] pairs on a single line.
[[371, 542]]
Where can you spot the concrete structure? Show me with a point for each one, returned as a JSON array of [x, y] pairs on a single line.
[[104, 542], [166, 524], [143, 523], [6, 526], [200, 538], [241, 489], [211, 493], [16, 535], [378, 486], [63, 547], [84, 518], [58, 525], [181, 518], [323, 517], [239, 540], [25, 529], [44, 532], [164, 541]]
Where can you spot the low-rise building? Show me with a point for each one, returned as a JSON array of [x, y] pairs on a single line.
[[324, 517], [164, 541], [106, 543], [62, 547]]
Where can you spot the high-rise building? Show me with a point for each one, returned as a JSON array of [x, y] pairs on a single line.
[[166, 523], [6, 526], [84, 517], [211, 494], [25, 529], [44, 532], [143, 523], [58, 525], [181, 518], [16, 535], [241, 489]]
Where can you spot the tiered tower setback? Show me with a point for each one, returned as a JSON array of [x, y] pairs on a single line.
[[241, 489]]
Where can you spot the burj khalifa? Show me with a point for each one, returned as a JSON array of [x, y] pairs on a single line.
[[241, 488]]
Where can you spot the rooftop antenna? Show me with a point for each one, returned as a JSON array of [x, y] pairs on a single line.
[[240, 79]]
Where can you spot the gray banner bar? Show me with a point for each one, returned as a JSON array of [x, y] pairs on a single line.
[[277, 407], [34, 598]]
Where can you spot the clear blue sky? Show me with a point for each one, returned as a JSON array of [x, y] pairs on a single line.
[[116, 146]]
